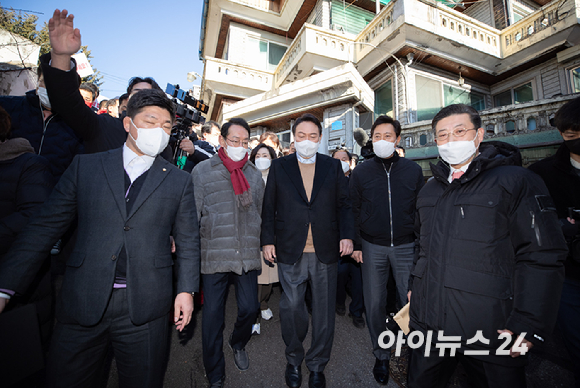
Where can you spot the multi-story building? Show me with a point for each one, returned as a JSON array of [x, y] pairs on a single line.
[[269, 61]]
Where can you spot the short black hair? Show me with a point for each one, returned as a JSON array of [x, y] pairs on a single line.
[[135, 80], [568, 116], [235, 121], [149, 97], [103, 104], [5, 124], [457, 109], [262, 145], [206, 128], [307, 117], [341, 149], [123, 97], [87, 86], [384, 119]]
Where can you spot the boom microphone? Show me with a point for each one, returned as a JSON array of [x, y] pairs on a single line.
[[360, 136]]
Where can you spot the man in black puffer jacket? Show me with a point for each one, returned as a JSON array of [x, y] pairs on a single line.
[[34, 119], [490, 259], [561, 173]]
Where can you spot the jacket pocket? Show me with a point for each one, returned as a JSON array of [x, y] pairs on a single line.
[[477, 282], [163, 261], [476, 213], [419, 268]]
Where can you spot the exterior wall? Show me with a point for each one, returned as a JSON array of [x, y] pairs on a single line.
[[499, 14], [482, 11], [548, 80], [321, 14], [17, 82], [347, 118]]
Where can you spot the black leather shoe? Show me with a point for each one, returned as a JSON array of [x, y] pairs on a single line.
[[219, 383], [381, 371], [317, 380], [340, 310], [358, 322], [240, 357], [293, 376]]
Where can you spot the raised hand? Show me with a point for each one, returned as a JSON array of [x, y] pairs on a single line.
[[65, 40]]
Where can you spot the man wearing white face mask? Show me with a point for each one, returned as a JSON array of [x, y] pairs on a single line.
[[228, 193], [307, 225], [490, 261], [33, 118], [118, 288], [383, 191]]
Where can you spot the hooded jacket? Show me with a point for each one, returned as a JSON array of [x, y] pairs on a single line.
[[490, 254], [564, 185], [52, 138]]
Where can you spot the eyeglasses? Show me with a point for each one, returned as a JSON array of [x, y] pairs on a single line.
[[457, 133], [237, 143]]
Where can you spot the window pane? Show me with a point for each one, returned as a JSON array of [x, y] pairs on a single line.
[[257, 53], [428, 98], [275, 55], [503, 99], [523, 93], [576, 79], [454, 95], [384, 100]]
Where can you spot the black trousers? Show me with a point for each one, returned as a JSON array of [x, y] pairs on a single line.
[[435, 371], [78, 352], [308, 270], [215, 288]]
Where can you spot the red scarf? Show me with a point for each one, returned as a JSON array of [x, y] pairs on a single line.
[[239, 181]]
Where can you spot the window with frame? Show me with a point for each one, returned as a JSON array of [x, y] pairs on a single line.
[[575, 78], [263, 54], [384, 99], [432, 95], [518, 95]]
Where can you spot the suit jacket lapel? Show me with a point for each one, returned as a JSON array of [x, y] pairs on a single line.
[[115, 173], [290, 165], [157, 173], [320, 171]]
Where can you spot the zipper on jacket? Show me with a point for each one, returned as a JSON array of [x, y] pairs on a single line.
[[536, 228], [390, 203], [462, 213], [45, 122]]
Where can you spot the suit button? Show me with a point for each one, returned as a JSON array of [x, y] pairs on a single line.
[[114, 257], [126, 228]]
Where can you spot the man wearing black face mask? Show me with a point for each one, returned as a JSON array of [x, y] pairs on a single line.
[[561, 173]]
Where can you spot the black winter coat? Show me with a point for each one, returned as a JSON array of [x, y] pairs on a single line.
[[564, 185], [374, 186], [53, 139], [491, 254], [99, 132], [26, 184]]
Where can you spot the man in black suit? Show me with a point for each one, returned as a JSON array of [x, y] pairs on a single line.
[[307, 224], [118, 286]]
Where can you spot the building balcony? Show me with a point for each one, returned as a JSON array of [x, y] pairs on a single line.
[[314, 50], [222, 78], [428, 28], [443, 37]]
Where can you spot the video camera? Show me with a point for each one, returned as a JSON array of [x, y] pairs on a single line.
[[188, 111]]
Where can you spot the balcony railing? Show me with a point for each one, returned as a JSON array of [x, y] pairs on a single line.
[[540, 24], [236, 75], [315, 41]]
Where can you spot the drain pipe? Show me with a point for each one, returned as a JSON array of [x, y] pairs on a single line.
[[203, 27]]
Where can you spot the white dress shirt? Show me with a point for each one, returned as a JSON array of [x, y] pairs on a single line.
[[452, 170], [134, 164], [302, 160]]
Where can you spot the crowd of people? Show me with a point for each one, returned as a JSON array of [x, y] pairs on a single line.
[[484, 257]]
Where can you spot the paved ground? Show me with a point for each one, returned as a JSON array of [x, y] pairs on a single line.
[[350, 364]]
